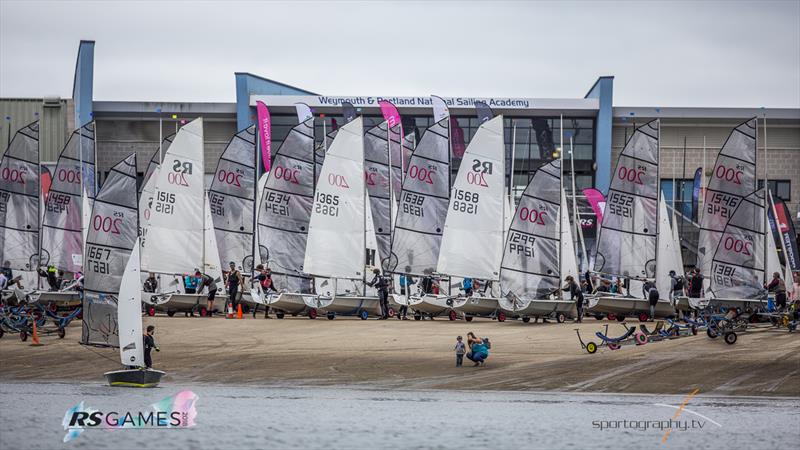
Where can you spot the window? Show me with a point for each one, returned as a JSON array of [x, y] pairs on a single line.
[[681, 195], [781, 189]]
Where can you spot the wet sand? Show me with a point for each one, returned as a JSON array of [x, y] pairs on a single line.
[[411, 354]]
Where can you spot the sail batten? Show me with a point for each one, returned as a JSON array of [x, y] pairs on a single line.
[[109, 241]]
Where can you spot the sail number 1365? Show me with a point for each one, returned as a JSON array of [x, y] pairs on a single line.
[[327, 204]]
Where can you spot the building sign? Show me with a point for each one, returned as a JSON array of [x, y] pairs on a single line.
[[513, 103]]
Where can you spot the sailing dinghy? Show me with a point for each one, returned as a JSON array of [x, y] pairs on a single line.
[[472, 241], [20, 208], [336, 249], [633, 224], [539, 250], [180, 231], [283, 224]]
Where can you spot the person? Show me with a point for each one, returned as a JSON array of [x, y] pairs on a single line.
[[233, 282], [778, 286], [149, 344], [427, 285], [3, 281], [616, 288], [207, 281], [460, 349], [406, 280], [466, 284], [604, 286], [60, 281], [696, 284], [7, 270], [479, 349], [151, 283], [651, 294], [380, 283], [676, 286], [190, 283], [49, 273], [576, 294]]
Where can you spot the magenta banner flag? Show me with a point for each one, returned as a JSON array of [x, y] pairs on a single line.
[[265, 125], [597, 201], [390, 113]]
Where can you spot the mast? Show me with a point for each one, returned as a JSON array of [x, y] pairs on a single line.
[[561, 189], [767, 230], [576, 216], [513, 156], [658, 195]]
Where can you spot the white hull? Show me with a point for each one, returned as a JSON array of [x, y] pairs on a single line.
[[189, 302], [293, 303], [628, 306], [477, 306], [352, 306], [434, 304], [537, 308], [67, 298], [685, 304]]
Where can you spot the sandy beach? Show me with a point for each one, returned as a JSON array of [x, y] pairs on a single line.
[[418, 355]]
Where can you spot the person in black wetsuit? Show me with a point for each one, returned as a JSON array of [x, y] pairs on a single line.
[[576, 294], [380, 283], [207, 281], [149, 345]]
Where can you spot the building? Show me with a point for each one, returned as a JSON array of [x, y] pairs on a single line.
[[536, 128]]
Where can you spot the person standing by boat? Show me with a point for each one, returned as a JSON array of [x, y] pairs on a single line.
[[207, 281], [576, 295], [466, 284], [777, 286], [151, 283], [379, 282], [479, 349], [232, 284], [149, 345], [651, 294], [696, 284], [406, 281]]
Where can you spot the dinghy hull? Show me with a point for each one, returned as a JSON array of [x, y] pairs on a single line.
[[477, 306], [628, 306], [433, 304], [541, 308], [137, 378]]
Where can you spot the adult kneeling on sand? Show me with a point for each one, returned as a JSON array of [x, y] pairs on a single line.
[[479, 349]]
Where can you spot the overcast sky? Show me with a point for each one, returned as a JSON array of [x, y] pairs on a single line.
[[735, 53]]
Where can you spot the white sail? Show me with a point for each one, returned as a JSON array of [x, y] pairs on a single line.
[[667, 256], [626, 244], [148, 187], [212, 265], [336, 233], [569, 260], [129, 313], [231, 197], [62, 225], [472, 242], [174, 242], [19, 194], [111, 236], [733, 179]]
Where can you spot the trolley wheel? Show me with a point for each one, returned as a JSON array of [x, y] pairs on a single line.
[[364, 315], [2, 332], [591, 347], [694, 331], [61, 333], [641, 339], [711, 333], [52, 307], [644, 317], [561, 318], [203, 311], [501, 316], [613, 346], [620, 318], [526, 319], [186, 314], [468, 318], [730, 338], [417, 317], [23, 336], [331, 315], [151, 311], [312, 313], [599, 317], [612, 316], [452, 315], [171, 313], [279, 315], [391, 312]]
